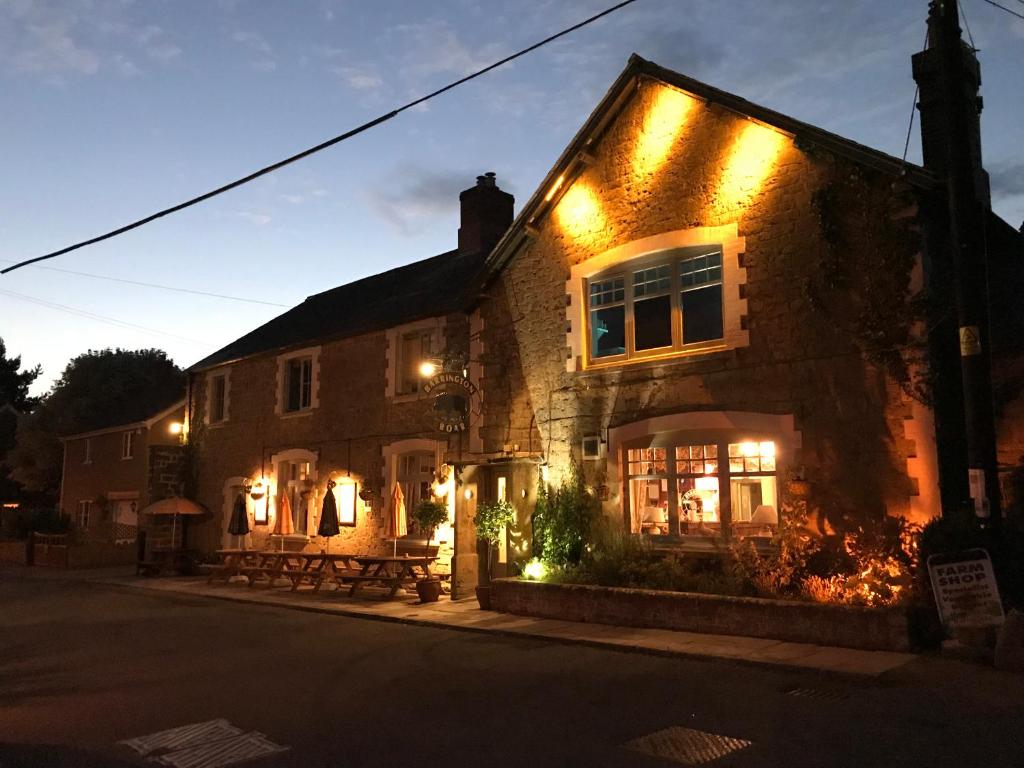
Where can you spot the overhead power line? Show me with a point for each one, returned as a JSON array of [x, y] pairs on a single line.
[[158, 285], [1004, 8], [322, 146], [99, 318]]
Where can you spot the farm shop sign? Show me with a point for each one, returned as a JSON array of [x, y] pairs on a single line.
[[965, 590], [452, 392]]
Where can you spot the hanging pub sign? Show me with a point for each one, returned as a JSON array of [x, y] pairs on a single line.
[[965, 590], [451, 391]]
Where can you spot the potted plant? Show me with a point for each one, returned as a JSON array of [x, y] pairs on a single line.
[[428, 515], [491, 520]]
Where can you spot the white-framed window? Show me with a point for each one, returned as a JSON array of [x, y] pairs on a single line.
[[298, 381], [88, 451], [409, 346], [649, 306], [294, 482], [217, 393], [416, 476], [82, 514], [414, 348], [128, 444], [704, 488]]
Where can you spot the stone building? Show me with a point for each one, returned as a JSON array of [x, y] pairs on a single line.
[[705, 306], [111, 474]]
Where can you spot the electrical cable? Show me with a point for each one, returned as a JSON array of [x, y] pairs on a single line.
[[1004, 8], [913, 107], [967, 24], [99, 318], [162, 287], [319, 147]]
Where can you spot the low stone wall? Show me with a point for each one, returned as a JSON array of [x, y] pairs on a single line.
[[100, 555], [12, 552], [846, 626]]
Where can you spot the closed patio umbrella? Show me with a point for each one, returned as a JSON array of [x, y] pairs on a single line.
[[397, 525], [239, 523], [329, 515], [284, 525]]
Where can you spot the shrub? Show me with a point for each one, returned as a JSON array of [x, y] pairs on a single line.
[[491, 519], [428, 515], [562, 521]]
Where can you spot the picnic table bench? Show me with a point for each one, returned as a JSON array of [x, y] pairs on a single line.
[[389, 571]]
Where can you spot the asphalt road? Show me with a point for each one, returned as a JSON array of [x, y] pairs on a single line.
[[83, 667]]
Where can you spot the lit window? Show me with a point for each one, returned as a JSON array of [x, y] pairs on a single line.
[[414, 349], [82, 515], [658, 306], [716, 488], [298, 384], [293, 482], [128, 445]]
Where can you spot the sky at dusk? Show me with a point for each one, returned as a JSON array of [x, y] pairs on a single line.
[[112, 109]]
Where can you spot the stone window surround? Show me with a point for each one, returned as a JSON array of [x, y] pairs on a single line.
[[224, 371], [780, 428], [312, 458], [281, 383], [394, 336], [734, 275]]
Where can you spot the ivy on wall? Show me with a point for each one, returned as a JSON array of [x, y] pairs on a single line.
[[862, 284]]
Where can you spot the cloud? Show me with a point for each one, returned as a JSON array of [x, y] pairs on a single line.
[[358, 78], [255, 42], [420, 196], [259, 219], [40, 38], [1007, 179], [293, 199]]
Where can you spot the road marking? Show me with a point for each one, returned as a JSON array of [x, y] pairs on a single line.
[[186, 735], [687, 746], [210, 744]]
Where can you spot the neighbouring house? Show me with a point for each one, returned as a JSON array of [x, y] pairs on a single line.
[[112, 474], [704, 306]]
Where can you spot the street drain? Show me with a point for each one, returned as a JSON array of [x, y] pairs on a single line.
[[687, 746], [818, 693], [211, 744]]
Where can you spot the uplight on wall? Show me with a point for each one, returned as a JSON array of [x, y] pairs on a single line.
[[663, 124]]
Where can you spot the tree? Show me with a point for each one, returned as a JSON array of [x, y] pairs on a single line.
[[98, 389], [14, 382]]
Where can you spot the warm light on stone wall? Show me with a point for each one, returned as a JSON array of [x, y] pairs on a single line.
[[662, 126], [752, 158], [580, 214]]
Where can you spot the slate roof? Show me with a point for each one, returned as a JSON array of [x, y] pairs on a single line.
[[426, 288]]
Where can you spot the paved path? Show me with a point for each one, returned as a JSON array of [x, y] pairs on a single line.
[[465, 615]]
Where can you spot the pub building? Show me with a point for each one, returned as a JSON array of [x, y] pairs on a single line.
[[675, 311]]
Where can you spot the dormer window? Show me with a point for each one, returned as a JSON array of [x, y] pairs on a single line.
[[650, 306]]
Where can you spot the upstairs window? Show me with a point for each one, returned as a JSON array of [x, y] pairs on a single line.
[[218, 398], [414, 348], [88, 451], [128, 445], [298, 384], [666, 303]]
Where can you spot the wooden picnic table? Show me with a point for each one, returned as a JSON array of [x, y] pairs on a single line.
[[233, 562], [389, 571], [299, 568]]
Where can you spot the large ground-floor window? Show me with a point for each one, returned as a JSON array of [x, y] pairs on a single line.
[[703, 488]]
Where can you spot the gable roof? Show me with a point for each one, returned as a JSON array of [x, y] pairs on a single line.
[[620, 93], [178, 405], [426, 288]]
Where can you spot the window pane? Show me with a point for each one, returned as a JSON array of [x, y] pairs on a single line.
[[702, 314], [648, 505], [653, 281], [700, 270], [294, 385], [754, 505], [605, 292], [307, 382], [652, 319], [608, 331], [698, 505]]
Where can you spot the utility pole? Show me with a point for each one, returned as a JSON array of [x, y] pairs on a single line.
[[968, 209]]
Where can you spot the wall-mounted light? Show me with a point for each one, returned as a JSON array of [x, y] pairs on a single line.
[[467, 494], [257, 490], [428, 368], [175, 427]]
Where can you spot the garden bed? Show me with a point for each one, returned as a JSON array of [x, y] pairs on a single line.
[[876, 629]]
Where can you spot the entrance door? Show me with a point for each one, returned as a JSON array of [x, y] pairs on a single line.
[[125, 519]]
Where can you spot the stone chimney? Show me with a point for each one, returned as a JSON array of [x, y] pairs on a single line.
[[486, 214], [936, 132]]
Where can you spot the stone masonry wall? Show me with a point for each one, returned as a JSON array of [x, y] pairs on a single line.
[[849, 413]]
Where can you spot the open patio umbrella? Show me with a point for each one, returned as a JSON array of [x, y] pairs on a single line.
[[329, 516], [397, 525], [239, 523], [175, 506]]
